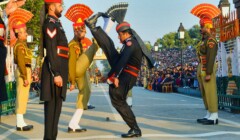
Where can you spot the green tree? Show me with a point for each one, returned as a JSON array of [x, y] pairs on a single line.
[[148, 45], [170, 40], [35, 7]]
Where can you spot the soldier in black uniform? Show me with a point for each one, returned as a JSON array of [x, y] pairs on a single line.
[[54, 69], [124, 67], [3, 55]]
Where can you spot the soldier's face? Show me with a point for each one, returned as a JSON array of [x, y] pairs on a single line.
[[58, 9], [82, 33], [122, 36], [23, 34], [204, 30]]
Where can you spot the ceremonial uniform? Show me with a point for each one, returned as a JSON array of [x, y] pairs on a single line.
[[124, 66], [80, 58], [22, 58], [3, 55], [79, 62], [55, 64], [207, 52]]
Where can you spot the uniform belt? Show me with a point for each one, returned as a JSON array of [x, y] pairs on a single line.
[[62, 51], [131, 70], [28, 65]]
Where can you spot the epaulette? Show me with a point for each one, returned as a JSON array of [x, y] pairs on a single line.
[[72, 43], [75, 46], [212, 39], [211, 42], [21, 48], [52, 20]]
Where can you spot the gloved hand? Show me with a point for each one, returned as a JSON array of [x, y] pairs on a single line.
[[91, 22]]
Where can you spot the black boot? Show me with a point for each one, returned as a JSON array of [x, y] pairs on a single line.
[[132, 133], [201, 120], [25, 128], [210, 122], [91, 22], [70, 130]]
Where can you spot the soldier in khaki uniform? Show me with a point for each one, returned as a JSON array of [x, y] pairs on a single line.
[[79, 61], [22, 58], [206, 52]]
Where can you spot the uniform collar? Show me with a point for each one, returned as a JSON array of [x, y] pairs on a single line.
[[205, 36], [21, 41], [126, 40], [53, 18]]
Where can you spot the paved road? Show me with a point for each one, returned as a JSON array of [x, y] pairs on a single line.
[[167, 116]]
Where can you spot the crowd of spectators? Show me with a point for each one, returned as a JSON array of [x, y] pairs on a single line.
[[171, 71]]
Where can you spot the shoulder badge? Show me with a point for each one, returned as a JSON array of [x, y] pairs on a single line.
[[211, 44], [129, 43], [21, 48], [77, 51], [52, 20], [50, 33]]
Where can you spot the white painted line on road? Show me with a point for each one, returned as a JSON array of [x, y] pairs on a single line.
[[201, 135], [6, 134], [117, 117], [229, 122], [196, 98]]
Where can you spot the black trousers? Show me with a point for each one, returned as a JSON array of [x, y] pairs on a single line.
[[52, 111], [118, 98], [118, 95]]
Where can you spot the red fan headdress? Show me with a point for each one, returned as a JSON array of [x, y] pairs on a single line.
[[206, 12], [18, 19], [77, 13]]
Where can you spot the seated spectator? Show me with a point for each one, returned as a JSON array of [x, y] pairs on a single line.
[[167, 79]]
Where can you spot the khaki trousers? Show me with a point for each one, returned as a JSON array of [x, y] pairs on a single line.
[[208, 89], [129, 93], [83, 64], [22, 92]]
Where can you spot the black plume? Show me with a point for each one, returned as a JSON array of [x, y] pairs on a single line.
[[118, 11]]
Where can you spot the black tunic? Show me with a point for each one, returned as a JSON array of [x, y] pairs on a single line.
[[54, 65], [3, 55]]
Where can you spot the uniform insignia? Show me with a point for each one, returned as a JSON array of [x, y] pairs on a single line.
[[129, 43], [211, 45], [77, 51], [22, 49], [51, 34], [52, 20]]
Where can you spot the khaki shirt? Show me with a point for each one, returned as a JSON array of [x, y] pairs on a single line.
[[22, 56], [207, 52]]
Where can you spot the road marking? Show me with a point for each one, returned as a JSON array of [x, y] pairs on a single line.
[[196, 98], [117, 117], [7, 133], [201, 135]]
